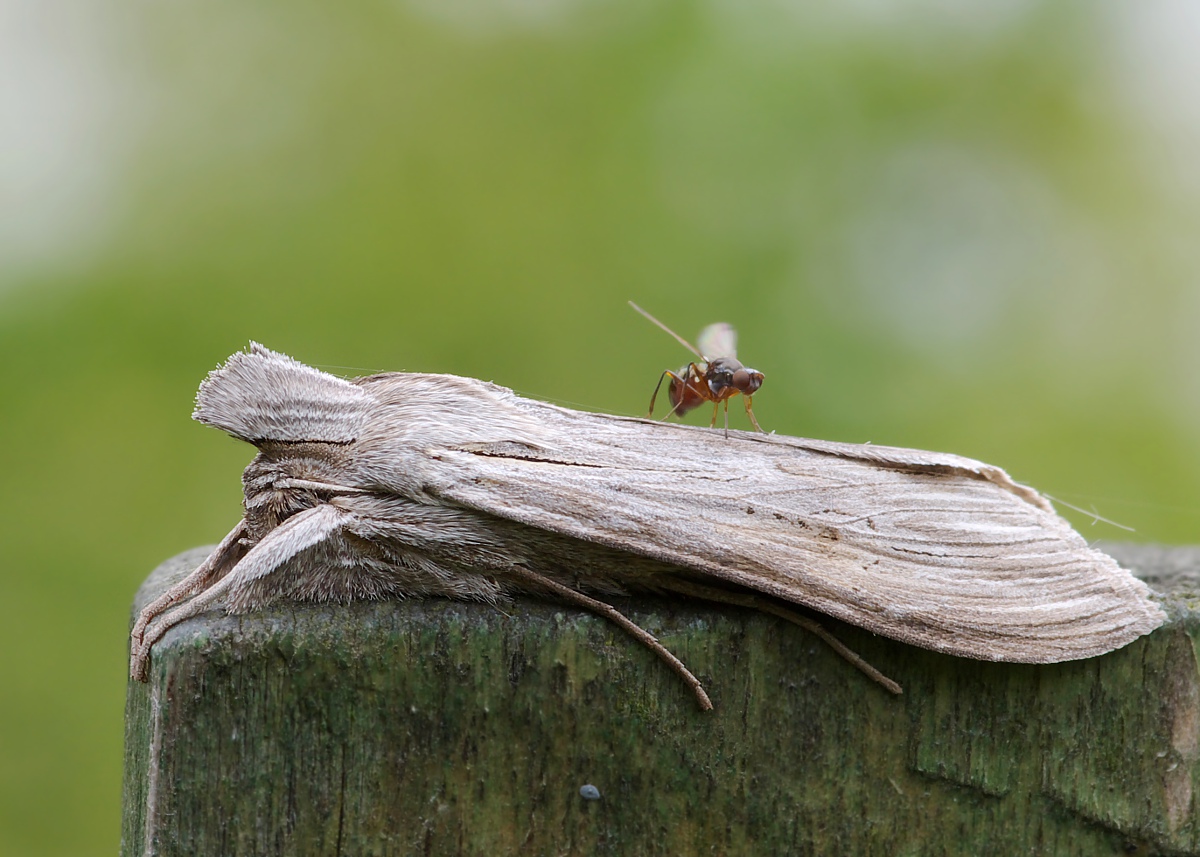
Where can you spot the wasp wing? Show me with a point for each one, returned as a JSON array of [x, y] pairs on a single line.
[[718, 340]]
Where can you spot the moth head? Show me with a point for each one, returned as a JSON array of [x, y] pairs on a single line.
[[262, 395]]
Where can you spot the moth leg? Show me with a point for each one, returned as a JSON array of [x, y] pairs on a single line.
[[765, 605], [223, 558], [296, 534], [616, 617], [750, 414]]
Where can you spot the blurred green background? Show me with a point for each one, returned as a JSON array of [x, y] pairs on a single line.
[[970, 229]]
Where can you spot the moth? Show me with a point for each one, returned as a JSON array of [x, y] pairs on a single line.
[[399, 484], [717, 378]]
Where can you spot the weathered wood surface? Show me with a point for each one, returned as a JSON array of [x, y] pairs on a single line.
[[435, 727]]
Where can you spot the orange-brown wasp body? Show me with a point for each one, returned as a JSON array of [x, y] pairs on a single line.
[[716, 378]]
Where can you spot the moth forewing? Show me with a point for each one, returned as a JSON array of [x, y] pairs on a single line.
[[937, 551]]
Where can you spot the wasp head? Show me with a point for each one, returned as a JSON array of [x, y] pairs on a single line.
[[726, 376]]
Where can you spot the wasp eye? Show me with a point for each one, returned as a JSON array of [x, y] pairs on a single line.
[[747, 380]]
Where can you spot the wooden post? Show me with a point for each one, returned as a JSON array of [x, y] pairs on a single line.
[[445, 728]]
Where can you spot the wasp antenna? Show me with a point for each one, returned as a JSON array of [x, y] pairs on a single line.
[[678, 338]]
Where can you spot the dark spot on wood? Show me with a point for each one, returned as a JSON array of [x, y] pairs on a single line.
[[516, 666]]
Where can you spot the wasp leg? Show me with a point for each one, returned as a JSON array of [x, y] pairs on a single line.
[[666, 373], [689, 384], [750, 414]]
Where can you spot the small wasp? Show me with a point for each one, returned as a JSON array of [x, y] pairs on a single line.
[[716, 378]]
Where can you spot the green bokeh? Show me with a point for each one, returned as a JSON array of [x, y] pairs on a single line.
[[930, 230]]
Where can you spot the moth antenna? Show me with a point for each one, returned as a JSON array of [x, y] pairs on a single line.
[[765, 605], [1091, 513], [678, 338], [261, 394], [616, 617]]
